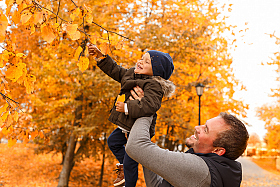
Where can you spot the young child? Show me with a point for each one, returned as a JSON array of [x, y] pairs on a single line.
[[151, 73]]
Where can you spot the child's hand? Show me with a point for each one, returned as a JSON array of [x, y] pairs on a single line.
[[120, 106], [94, 51]]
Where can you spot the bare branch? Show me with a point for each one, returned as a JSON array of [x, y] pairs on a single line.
[[112, 32], [58, 9], [7, 99], [49, 10], [74, 3]]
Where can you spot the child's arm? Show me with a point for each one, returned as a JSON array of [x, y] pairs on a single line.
[[107, 65], [94, 51], [137, 93], [120, 106], [149, 104]]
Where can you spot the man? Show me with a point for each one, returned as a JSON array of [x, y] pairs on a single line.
[[189, 142], [210, 161]]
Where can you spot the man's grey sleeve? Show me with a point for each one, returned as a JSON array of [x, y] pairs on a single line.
[[179, 169], [151, 179]]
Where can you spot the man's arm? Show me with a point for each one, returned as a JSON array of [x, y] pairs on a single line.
[[179, 169], [152, 179]]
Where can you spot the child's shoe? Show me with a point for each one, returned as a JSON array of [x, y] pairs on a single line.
[[120, 178]]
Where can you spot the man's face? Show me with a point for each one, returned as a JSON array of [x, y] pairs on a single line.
[[190, 142], [204, 135]]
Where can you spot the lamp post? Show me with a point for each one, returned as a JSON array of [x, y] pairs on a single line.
[[199, 91]]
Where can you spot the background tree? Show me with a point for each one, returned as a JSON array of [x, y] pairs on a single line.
[[71, 99], [254, 139], [270, 114], [192, 32]]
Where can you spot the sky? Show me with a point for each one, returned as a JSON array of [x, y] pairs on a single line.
[[255, 47]]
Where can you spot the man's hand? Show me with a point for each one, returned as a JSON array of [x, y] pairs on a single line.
[[120, 106], [137, 93], [94, 51]]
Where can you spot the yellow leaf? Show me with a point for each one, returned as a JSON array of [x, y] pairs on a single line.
[[83, 63], [10, 121], [3, 26], [9, 2], [15, 72], [71, 28], [86, 51], [34, 134], [56, 25], [93, 38], [38, 17], [2, 38], [1, 61], [16, 116], [5, 55], [16, 17], [46, 11], [88, 9], [89, 18], [4, 116], [5, 131], [25, 139], [1, 122], [73, 32], [104, 48], [21, 55], [72, 16], [77, 53], [41, 134], [32, 30], [25, 17], [29, 83], [75, 36], [3, 108], [75, 13], [47, 33], [119, 45], [28, 2], [121, 98], [11, 142], [19, 2]]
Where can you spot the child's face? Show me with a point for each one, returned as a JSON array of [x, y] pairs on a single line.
[[144, 65]]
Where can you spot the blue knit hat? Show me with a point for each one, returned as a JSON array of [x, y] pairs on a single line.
[[162, 64]]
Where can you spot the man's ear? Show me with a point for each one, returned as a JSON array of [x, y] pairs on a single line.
[[219, 151]]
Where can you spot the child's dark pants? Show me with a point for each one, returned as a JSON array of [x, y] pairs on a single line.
[[116, 142]]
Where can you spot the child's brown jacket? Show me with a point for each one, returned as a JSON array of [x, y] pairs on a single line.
[[154, 88]]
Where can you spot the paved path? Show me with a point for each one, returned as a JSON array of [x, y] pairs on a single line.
[[254, 176]]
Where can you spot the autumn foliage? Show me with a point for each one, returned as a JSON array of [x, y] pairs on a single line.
[[54, 95], [270, 113]]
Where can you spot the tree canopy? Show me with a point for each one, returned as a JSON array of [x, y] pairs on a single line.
[[54, 94]]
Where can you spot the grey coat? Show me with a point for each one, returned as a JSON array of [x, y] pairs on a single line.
[[154, 88]]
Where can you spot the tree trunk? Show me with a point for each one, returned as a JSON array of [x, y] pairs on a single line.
[[68, 163], [103, 161], [63, 152]]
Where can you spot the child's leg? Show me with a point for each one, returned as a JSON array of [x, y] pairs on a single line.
[[116, 142], [130, 168]]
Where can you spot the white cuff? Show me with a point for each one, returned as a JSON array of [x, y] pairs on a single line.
[[125, 109]]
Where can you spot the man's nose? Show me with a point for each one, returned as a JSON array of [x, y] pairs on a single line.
[[196, 128]]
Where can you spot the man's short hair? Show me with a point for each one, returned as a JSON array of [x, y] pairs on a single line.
[[234, 140]]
